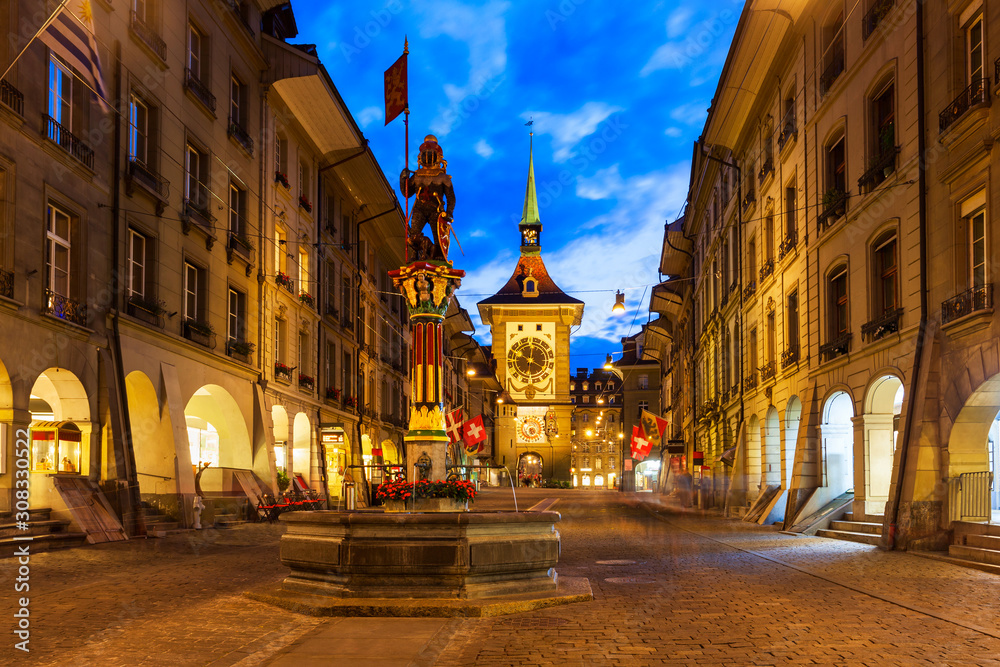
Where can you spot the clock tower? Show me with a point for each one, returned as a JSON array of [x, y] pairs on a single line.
[[530, 320]]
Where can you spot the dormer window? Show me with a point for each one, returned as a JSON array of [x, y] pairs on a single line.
[[530, 287]]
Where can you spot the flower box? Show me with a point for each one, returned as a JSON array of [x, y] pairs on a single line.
[[307, 299], [282, 371], [332, 394], [351, 402], [284, 280], [427, 505], [239, 348], [305, 203], [281, 178], [458, 492], [306, 381]]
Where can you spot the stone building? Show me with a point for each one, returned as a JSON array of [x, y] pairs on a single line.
[[213, 243], [641, 377], [596, 428], [831, 299]]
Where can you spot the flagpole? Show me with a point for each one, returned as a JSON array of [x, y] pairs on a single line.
[[42, 29], [406, 186]]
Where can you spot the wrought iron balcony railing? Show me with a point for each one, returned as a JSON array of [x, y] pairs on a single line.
[[750, 382], [68, 141], [63, 307], [749, 289], [148, 36], [834, 206], [766, 269], [978, 92], [879, 11], [969, 301], [199, 89], [767, 371], [882, 326], [788, 244], [766, 170], [11, 97], [836, 347], [790, 356], [749, 198], [880, 166], [241, 136], [833, 70], [7, 283], [788, 128], [137, 172]]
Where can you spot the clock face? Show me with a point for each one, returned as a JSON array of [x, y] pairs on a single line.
[[530, 360], [531, 429]]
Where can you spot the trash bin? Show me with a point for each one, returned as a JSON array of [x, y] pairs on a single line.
[[350, 497]]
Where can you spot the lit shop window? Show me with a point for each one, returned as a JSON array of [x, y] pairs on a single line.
[[55, 448], [204, 443]]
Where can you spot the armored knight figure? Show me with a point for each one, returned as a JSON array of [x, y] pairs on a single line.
[[434, 203]]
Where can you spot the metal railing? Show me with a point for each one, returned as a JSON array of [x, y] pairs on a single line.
[[969, 301], [836, 347], [750, 382], [68, 141], [149, 37], [11, 97], [787, 244], [243, 137], [142, 174], [874, 16], [833, 70], [882, 165], [749, 289], [766, 269], [788, 128], [749, 198], [790, 356], [199, 89], [969, 496], [767, 371], [7, 283], [834, 206], [65, 308], [978, 92], [881, 326]]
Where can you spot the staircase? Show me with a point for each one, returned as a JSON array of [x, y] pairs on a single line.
[[978, 543], [227, 519], [159, 524], [47, 533], [853, 531]]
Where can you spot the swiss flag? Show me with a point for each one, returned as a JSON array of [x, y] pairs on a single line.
[[453, 425], [640, 445], [473, 432]]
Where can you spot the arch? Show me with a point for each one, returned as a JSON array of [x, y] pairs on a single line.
[[153, 433], [599, 481], [586, 481], [218, 435], [883, 404], [57, 395], [837, 431], [753, 459], [64, 393], [6, 394], [301, 446], [530, 463], [771, 450], [974, 442], [279, 429], [793, 417]]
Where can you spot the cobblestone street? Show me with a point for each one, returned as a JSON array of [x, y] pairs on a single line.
[[701, 590]]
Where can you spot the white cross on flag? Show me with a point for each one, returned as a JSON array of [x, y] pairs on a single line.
[[473, 432], [640, 446], [453, 425]]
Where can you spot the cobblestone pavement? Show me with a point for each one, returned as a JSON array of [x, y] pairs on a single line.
[[701, 590]]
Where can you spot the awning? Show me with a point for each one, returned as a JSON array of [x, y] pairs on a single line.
[[729, 456], [668, 298], [676, 254], [55, 425]]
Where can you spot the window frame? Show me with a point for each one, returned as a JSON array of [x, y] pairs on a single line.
[[132, 264], [884, 274], [236, 317], [138, 135], [838, 304], [54, 241], [191, 295]]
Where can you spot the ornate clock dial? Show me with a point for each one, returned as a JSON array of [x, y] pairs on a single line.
[[530, 360], [531, 429]]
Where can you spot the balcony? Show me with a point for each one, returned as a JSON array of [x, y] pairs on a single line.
[[790, 357], [200, 91], [199, 332], [833, 71], [788, 128], [724, 300], [765, 170], [838, 346], [978, 93], [307, 299], [306, 382], [148, 37], [788, 244], [766, 269], [347, 323], [241, 136], [196, 210], [282, 372], [767, 371], [149, 311], [241, 245], [65, 308], [966, 303], [332, 312], [11, 97], [749, 289], [834, 206], [882, 326], [879, 168], [240, 350], [137, 173], [68, 142], [7, 283], [284, 280], [241, 11], [871, 20], [750, 382], [749, 198], [333, 394]]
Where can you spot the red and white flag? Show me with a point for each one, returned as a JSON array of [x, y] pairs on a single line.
[[453, 425], [396, 98], [640, 445], [473, 432]]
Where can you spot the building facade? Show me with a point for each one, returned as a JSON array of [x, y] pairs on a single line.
[[596, 432]]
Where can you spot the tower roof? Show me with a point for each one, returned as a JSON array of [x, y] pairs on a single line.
[[529, 216]]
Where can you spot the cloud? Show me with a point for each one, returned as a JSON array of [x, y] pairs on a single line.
[[477, 233], [673, 132], [602, 185], [568, 129], [691, 113], [693, 48], [483, 29], [679, 21], [369, 115], [483, 149]]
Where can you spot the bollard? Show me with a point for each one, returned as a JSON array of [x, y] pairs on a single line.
[[350, 497]]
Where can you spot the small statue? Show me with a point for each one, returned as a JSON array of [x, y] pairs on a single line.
[[434, 203], [198, 507], [423, 466]]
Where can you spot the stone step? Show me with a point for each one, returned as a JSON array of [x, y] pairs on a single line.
[[850, 536], [980, 555], [848, 516], [857, 527], [162, 525], [962, 562], [45, 542], [166, 532], [981, 541], [34, 527], [34, 514]]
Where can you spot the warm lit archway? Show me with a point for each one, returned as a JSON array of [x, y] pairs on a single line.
[[793, 417], [279, 429], [217, 435], [152, 437], [772, 448], [883, 405], [753, 460], [837, 432], [60, 424], [302, 447]]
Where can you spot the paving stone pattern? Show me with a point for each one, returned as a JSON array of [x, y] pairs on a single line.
[[701, 590]]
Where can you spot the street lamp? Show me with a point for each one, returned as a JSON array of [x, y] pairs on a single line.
[[619, 306]]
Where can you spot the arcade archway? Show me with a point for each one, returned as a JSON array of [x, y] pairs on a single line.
[[753, 459], [218, 436], [772, 448], [837, 431], [153, 435], [883, 405], [793, 416]]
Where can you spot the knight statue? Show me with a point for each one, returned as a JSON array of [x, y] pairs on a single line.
[[434, 203]]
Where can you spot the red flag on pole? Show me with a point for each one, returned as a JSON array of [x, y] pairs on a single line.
[[473, 432], [640, 445], [396, 97]]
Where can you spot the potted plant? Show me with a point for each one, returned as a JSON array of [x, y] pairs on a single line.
[[305, 203], [153, 306], [241, 348], [201, 328], [281, 369], [240, 241], [833, 201], [332, 393], [306, 381], [282, 178], [350, 402], [425, 495], [283, 280], [307, 299], [283, 480]]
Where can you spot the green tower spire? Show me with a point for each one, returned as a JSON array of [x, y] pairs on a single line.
[[530, 214]]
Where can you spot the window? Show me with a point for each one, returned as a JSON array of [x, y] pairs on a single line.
[[643, 382], [237, 101], [572, 399], [345, 297], [237, 210], [836, 168], [304, 353], [304, 183], [138, 131], [60, 94], [197, 54], [192, 292], [976, 223], [196, 177], [884, 121], [792, 318], [345, 372], [586, 386], [236, 325], [586, 417], [769, 236], [643, 405], [837, 290], [137, 249], [790, 211], [885, 300], [280, 239], [752, 260], [586, 399], [833, 53], [598, 461], [771, 337], [280, 338], [57, 251], [304, 283], [280, 154], [753, 351], [974, 50]]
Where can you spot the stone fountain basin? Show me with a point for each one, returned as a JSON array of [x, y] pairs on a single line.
[[370, 554]]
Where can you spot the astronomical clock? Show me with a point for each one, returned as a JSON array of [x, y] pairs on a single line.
[[531, 360]]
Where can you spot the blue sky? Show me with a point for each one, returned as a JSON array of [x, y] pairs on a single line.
[[618, 93]]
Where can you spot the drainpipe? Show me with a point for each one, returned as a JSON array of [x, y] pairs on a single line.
[[911, 399]]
